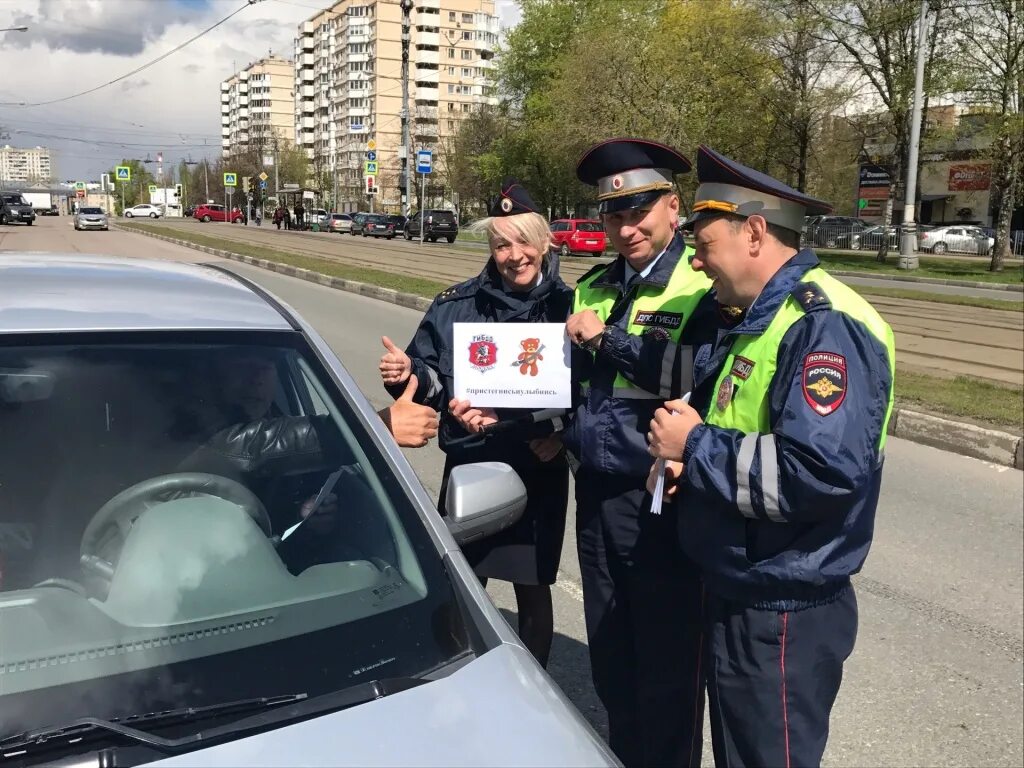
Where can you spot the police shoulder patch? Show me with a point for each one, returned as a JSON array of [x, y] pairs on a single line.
[[824, 382], [811, 296]]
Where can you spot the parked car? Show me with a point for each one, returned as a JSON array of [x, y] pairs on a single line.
[[399, 222], [340, 222], [956, 240], [215, 212], [15, 208], [830, 231], [91, 218], [320, 217], [53, 210], [168, 596], [432, 225], [357, 223], [871, 238], [144, 209], [380, 225], [578, 236]]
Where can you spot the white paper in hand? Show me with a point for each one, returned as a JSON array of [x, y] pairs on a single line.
[[659, 485]]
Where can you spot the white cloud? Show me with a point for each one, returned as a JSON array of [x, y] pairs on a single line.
[[172, 107]]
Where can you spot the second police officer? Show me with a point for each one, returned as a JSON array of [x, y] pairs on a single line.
[[632, 321], [780, 477]]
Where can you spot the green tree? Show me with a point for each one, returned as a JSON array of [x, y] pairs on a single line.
[[992, 56]]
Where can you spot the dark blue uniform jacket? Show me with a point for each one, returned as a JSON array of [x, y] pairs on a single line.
[[824, 471]]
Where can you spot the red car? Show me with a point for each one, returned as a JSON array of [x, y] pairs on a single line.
[[578, 236], [214, 212]]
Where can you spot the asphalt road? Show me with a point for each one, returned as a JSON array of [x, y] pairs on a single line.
[[937, 675]]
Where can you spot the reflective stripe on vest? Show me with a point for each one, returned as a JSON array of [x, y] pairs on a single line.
[[747, 410], [668, 308]]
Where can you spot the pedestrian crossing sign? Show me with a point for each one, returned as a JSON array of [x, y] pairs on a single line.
[[123, 173], [230, 179], [371, 167]]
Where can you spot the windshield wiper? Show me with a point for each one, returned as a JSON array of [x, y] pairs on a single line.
[[75, 733]]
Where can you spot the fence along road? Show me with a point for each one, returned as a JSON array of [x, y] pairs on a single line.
[[941, 339]]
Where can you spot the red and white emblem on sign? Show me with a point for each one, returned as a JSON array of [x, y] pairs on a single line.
[[617, 182], [483, 353]]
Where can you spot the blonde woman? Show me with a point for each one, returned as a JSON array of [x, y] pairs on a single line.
[[519, 284]]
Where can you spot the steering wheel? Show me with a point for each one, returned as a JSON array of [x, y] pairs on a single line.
[[108, 529]]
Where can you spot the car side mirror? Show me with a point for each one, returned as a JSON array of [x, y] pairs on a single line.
[[483, 499]]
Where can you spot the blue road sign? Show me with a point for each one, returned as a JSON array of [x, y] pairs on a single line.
[[124, 173], [424, 161], [371, 155], [263, 185]]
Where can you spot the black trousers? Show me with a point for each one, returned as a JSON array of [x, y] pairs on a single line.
[[642, 600], [772, 679]]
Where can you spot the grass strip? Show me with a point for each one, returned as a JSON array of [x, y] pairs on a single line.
[[999, 405], [977, 399], [930, 266], [938, 298], [417, 286]]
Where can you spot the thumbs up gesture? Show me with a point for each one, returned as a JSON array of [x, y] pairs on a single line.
[[395, 365], [411, 424]]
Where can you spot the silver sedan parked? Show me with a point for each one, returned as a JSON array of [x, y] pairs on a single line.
[[91, 218], [214, 554]]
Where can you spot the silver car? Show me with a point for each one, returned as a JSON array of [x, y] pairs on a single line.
[[214, 554], [964, 239], [90, 218]]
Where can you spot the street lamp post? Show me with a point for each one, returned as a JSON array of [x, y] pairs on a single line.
[[908, 240]]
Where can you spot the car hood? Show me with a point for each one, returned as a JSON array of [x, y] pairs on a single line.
[[498, 710]]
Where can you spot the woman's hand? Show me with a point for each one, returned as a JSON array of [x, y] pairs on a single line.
[[395, 365], [472, 419], [546, 448]]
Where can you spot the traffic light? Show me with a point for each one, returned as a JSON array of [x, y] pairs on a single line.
[[371, 185], [177, 191], [245, 185]]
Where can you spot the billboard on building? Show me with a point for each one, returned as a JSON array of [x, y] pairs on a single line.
[[970, 177], [874, 182]]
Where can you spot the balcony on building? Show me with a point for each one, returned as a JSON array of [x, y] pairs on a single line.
[[424, 112], [427, 75], [307, 123], [306, 60], [308, 28], [355, 57], [422, 18], [358, 111], [430, 4], [307, 75], [307, 91], [428, 130], [427, 93], [428, 38], [428, 56]]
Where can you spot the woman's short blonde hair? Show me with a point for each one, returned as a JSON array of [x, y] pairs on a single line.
[[531, 227]]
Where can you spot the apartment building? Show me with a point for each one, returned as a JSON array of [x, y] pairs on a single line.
[[20, 166], [257, 104], [348, 87]]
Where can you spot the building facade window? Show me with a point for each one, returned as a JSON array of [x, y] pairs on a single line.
[[467, 55]]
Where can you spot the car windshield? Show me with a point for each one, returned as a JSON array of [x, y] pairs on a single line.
[[185, 522], [589, 226], [375, 219], [442, 217], [91, 211], [15, 200], [396, 219]]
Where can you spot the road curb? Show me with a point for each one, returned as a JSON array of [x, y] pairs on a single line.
[[959, 437], [929, 280]]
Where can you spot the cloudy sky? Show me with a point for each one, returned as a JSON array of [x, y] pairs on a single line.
[[172, 107]]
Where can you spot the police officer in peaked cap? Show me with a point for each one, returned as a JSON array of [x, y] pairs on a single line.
[[635, 322], [778, 476], [518, 284]]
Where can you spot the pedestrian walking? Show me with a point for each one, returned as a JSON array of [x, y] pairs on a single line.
[[279, 214], [257, 214], [780, 475], [636, 321], [519, 284], [300, 221]]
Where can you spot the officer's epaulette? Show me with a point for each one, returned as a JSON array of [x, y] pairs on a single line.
[[593, 271], [811, 296], [460, 291]]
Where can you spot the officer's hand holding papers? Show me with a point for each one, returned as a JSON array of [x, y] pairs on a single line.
[[667, 447]]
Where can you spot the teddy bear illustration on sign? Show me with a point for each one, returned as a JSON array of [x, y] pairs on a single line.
[[527, 360]]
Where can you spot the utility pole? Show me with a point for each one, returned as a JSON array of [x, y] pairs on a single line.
[[908, 239], [406, 166]]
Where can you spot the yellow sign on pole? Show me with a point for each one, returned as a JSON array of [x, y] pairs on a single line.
[[371, 145]]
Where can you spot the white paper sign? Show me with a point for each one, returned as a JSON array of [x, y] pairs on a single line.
[[512, 365]]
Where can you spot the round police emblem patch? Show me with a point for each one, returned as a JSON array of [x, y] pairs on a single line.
[[657, 333], [725, 392], [617, 182], [506, 204]]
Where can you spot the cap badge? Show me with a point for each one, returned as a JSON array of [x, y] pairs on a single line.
[[616, 182], [506, 204]]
